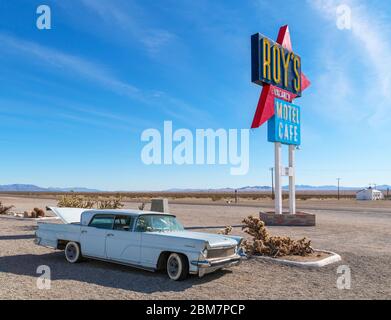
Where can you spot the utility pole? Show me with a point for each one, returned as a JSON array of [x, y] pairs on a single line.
[[272, 171], [338, 186]]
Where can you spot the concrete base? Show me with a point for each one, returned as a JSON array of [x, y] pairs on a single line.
[[159, 205], [285, 219], [333, 258]]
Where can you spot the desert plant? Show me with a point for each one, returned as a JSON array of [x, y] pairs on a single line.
[[264, 244], [75, 201], [226, 231], [141, 206], [216, 197], [38, 212], [110, 203], [4, 209]]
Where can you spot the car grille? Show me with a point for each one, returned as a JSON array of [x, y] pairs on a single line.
[[221, 253]]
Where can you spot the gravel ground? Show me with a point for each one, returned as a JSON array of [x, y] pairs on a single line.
[[360, 234]]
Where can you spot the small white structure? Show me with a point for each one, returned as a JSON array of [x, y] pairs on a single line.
[[369, 194]]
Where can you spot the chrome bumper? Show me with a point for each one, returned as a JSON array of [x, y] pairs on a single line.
[[208, 266]]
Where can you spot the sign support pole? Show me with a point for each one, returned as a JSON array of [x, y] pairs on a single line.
[[292, 182], [277, 178]]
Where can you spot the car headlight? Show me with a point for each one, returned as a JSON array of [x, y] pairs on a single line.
[[205, 252]]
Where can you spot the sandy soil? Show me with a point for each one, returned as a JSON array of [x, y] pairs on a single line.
[[359, 231]]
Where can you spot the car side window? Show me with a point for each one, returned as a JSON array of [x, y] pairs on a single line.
[[144, 224], [102, 222], [123, 223]]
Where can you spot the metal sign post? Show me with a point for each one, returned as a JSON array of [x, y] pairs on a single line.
[[288, 171], [277, 173], [292, 183]]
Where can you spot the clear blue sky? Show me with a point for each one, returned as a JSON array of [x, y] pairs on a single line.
[[75, 99]]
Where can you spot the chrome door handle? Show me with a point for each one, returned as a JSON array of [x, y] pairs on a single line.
[[110, 235], [84, 231]]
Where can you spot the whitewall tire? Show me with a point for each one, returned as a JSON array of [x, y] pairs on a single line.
[[72, 252], [177, 267]]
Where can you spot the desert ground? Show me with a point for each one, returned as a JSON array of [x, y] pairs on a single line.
[[359, 231]]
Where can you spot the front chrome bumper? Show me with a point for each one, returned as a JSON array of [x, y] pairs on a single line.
[[211, 265]]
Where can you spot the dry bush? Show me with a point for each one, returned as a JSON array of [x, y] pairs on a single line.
[[75, 201], [111, 203], [39, 213], [141, 206], [226, 231], [36, 213], [79, 201], [4, 209], [264, 244], [216, 197]]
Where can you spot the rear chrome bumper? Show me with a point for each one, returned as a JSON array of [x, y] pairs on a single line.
[[211, 265]]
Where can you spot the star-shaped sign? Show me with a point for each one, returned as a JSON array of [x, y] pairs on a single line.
[[265, 107]]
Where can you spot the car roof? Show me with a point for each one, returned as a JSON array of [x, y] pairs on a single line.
[[126, 212], [76, 215]]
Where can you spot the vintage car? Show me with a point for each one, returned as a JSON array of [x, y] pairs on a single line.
[[148, 240]]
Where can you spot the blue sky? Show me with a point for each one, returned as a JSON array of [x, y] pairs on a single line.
[[75, 99]]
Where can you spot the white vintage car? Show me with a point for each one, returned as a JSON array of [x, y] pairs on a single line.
[[147, 240]]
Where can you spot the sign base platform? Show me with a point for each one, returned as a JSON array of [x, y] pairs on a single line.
[[300, 219]]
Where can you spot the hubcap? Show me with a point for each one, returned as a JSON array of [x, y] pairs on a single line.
[[173, 267], [71, 252]]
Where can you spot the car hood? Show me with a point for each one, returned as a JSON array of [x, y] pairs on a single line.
[[214, 240]]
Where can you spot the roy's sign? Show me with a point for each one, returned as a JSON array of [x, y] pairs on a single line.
[[271, 63], [277, 69]]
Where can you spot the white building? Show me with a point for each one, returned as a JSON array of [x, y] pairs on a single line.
[[369, 194]]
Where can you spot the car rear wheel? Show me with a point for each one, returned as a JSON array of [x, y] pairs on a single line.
[[72, 252], [177, 267]]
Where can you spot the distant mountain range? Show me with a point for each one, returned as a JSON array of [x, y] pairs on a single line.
[[268, 188], [34, 188]]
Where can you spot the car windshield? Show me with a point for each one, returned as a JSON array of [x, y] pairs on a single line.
[[157, 222]]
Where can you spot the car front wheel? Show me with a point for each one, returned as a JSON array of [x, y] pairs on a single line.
[[177, 267], [72, 252]]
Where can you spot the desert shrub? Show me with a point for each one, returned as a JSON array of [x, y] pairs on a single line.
[[226, 231], [141, 206], [4, 209], [75, 201], [264, 244], [39, 212], [216, 197], [111, 203]]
